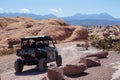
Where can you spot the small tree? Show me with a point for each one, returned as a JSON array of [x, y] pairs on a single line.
[[10, 45]]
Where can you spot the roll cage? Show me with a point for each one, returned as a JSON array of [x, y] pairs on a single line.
[[37, 42]]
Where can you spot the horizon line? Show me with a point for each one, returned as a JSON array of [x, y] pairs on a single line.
[[60, 16]]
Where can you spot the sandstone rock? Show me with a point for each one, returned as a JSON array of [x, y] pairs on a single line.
[[6, 21], [54, 21], [102, 54], [79, 33], [44, 78], [59, 30], [13, 41], [90, 61], [54, 73], [106, 34], [72, 69]]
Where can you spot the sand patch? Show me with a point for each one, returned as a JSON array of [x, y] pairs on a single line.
[[116, 74]]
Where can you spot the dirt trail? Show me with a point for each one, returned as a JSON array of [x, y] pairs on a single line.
[[70, 54]]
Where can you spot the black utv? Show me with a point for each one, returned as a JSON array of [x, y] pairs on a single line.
[[37, 50]]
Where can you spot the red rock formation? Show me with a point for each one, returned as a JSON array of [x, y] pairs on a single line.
[[72, 69], [90, 61], [54, 73], [102, 54], [59, 30]]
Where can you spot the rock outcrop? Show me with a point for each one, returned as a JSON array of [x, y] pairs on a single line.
[[54, 73], [72, 69], [90, 61], [102, 32], [102, 54], [59, 30], [79, 33]]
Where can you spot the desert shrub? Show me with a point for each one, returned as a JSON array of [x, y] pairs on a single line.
[[86, 45], [107, 43], [92, 37], [79, 45], [116, 46], [94, 43], [10, 46], [103, 44], [6, 51]]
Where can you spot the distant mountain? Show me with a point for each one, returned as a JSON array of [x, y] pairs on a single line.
[[35, 16], [49, 16], [91, 19], [77, 19], [102, 16], [92, 22]]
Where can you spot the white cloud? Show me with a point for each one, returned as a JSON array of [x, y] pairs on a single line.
[[60, 9], [1, 9], [25, 10], [55, 10]]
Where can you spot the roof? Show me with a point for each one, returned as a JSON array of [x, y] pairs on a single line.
[[42, 37]]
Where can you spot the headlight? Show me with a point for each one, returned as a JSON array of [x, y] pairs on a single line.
[[33, 55]]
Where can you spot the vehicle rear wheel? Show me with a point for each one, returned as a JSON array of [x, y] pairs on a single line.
[[42, 65], [18, 65], [59, 60]]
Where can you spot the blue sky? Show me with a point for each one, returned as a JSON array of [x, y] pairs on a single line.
[[62, 7]]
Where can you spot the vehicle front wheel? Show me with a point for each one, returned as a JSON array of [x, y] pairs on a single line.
[[18, 65], [59, 60], [42, 65]]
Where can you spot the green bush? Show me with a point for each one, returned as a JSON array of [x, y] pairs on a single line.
[[107, 43], [116, 46], [92, 37]]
